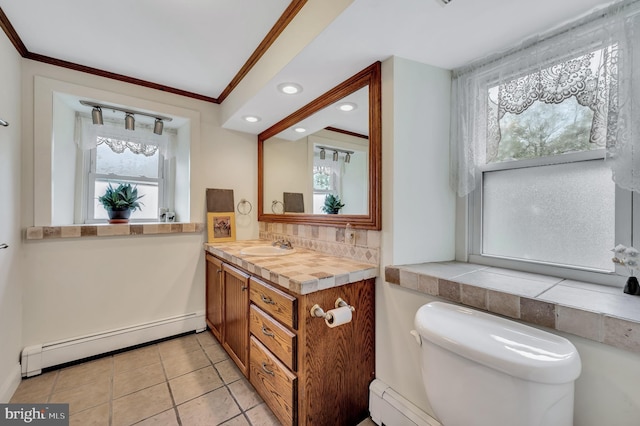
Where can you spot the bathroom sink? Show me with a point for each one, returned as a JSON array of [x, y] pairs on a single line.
[[266, 251]]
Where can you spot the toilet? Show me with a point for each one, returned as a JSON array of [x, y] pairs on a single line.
[[482, 370]]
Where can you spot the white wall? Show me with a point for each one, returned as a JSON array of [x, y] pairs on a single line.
[[418, 207], [10, 280], [64, 163], [70, 287], [606, 391]]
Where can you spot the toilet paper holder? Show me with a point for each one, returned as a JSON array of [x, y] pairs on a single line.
[[318, 312]]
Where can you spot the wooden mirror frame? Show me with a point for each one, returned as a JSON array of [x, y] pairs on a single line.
[[370, 76]]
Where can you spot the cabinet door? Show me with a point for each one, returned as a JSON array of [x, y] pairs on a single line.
[[215, 312], [236, 316]]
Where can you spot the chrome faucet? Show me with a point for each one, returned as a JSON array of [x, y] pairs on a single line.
[[283, 244]]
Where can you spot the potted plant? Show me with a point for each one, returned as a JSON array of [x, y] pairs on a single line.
[[119, 202], [332, 204]]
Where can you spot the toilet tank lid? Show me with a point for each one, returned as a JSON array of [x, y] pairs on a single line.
[[498, 343]]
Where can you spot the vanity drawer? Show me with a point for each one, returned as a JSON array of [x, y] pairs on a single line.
[[278, 339], [274, 382], [274, 302]]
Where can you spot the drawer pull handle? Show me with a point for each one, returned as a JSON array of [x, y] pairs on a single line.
[[244, 287], [267, 300], [266, 332], [266, 370]]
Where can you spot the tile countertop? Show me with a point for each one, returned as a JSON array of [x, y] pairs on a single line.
[[596, 312], [303, 271]]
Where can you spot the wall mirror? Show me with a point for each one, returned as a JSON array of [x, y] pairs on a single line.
[[330, 146]]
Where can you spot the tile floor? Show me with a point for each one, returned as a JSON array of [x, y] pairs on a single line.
[[186, 381], [189, 380]]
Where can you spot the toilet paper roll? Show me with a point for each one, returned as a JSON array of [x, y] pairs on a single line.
[[338, 316]]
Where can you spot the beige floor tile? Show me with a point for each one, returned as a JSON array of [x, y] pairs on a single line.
[[77, 375], [216, 353], [367, 422], [211, 409], [194, 384], [228, 371], [240, 420], [35, 389], [181, 364], [166, 418], [96, 416], [178, 346], [141, 405], [85, 396], [206, 338], [136, 358], [135, 380], [245, 394], [261, 415]]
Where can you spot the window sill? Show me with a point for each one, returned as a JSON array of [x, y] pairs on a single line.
[[596, 312], [107, 230]]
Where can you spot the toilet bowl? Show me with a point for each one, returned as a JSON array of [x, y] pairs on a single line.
[[482, 370]]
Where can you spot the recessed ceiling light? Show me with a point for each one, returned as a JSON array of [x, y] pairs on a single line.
[[347, 106], [251, 118], [289, 88], [300, 129]]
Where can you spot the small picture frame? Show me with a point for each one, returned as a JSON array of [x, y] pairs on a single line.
[[221, 227]]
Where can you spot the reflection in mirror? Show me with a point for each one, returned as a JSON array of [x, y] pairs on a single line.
[[326, 153], [329, 147]]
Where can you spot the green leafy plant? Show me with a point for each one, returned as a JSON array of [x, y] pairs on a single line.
[[123, 197], [332, 204]]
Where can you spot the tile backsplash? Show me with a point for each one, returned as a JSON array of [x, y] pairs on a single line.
[[326, 239]]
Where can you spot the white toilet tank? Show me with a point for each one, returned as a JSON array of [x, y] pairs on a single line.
[[482, 370]]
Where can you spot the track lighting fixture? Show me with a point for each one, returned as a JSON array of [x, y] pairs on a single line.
[[96, 116], [129, 119], [336, 153], [158, 126], [129, 122]]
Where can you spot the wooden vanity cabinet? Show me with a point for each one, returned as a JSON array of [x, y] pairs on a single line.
[[227, 295], [214, 296], [235, 336], [306, 372]]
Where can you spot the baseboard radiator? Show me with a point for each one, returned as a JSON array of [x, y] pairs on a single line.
[[388, 408], [37, 357]]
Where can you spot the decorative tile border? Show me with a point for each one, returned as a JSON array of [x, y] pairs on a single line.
[[326, 239], [303, 271], [600, 313], [106, 230]]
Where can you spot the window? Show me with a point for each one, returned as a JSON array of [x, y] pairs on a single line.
[[326, 180], [114, 155], [121, 164], [544, 199]]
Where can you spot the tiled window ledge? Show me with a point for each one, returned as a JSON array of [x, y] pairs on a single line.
[[107, 230], [596, 312]]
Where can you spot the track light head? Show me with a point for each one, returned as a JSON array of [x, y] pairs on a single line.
[[347, 158], [129, 122], [158, 126], [96, 115], [323, 154], [335, 155]]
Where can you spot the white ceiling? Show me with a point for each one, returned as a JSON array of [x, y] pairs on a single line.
[[199, 45]]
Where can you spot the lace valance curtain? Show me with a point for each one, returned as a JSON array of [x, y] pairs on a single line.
[[596, 60], [113, 134]]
